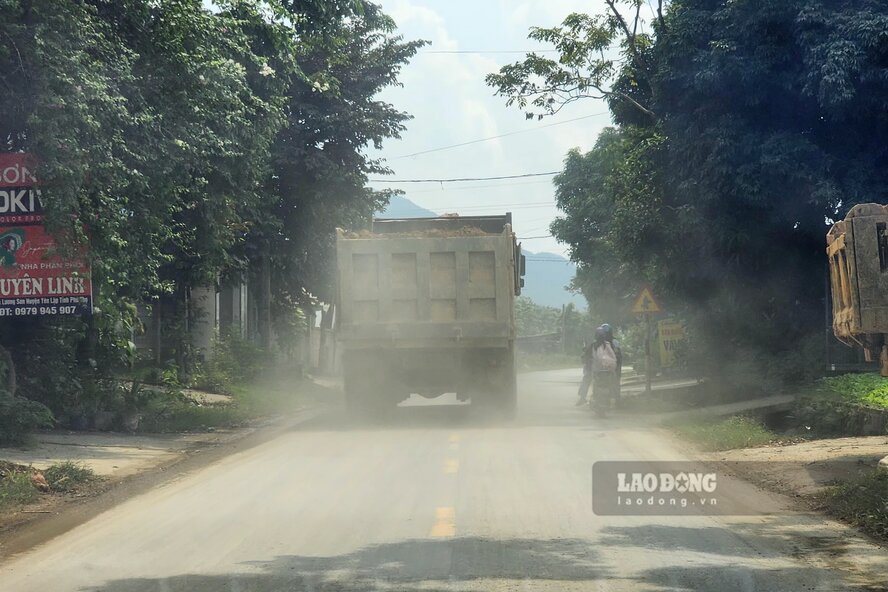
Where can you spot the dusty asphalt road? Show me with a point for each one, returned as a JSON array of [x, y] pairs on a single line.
[[437, 500]]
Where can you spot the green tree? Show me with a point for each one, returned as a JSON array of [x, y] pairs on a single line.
[[148, 133], [768, 120], [604, 56], [320, 167], [181, 144], [535, 319], [590, 192], [577, 327]]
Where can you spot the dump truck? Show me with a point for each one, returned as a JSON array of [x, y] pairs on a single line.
[[857, 248], [426, 306]]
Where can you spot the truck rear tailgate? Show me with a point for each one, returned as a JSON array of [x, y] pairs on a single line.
[[418, 288]]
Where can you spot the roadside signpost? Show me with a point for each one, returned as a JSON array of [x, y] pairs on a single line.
[[645, 304], [38, 277], [671, 335]]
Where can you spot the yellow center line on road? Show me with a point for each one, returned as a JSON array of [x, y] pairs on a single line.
[[445, 523], [445, 516]]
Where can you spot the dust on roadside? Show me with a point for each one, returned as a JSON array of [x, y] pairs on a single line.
[[808, 468]]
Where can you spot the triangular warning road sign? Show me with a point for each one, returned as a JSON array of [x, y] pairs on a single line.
[[645, 303]]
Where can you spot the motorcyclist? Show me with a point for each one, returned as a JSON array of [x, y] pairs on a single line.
[[600, 364], [615, 390]]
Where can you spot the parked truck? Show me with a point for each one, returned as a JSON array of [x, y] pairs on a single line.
[[426, 306], [857, 248]]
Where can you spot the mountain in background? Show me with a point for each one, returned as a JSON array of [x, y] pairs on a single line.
[[401, 207], [545, 278], [545, 275]]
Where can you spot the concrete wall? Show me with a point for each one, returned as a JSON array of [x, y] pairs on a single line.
[[230, 308]]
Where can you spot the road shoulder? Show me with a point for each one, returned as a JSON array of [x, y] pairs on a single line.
[[130, 466]]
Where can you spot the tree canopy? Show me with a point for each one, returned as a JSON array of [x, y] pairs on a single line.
[[181, 141], [743, 128]]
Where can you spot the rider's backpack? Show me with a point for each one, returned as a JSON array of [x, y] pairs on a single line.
[[604, 359]]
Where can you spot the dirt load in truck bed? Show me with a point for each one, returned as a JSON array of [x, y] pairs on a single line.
[[429, 233]]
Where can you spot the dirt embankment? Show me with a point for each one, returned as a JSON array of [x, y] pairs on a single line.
[[808, 468]]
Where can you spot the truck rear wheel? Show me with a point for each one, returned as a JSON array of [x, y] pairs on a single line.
[[494, 385], [351, 381], [365, 381], [509, 394]]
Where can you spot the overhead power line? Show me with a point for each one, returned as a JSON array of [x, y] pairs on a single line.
[[505, 135], [533, 237], [464, 179]]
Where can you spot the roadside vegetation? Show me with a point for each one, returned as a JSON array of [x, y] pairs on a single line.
[[19, 416], [862, 503], [251, 386], [840, 406], [714, 434], [718, 205], [532, 319], [198, 143], [278, 390], [16, 488], [541, 330], [868, 390], [22, 485], [847, 405], [67, 476]]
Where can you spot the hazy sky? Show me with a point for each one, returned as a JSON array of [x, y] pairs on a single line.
[[451, 104]]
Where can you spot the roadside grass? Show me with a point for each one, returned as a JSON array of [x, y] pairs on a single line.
[[868, 390], [861, 502], [846, 405], [273, 392], [68, 476], [173, 412], [723, 434], [17, 489], [278, 391]]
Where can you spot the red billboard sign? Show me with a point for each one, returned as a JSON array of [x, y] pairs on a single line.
[[35, 277]]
